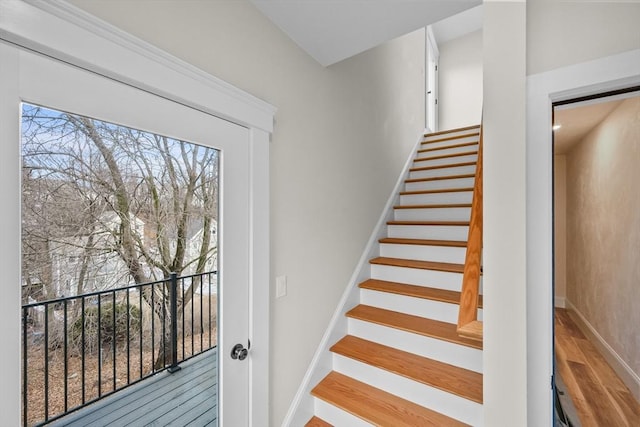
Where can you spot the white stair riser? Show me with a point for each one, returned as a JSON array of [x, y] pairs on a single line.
[[433, 232], [442, 311], [445, 403], [433, 348], [446, 161], [439, 184], [444, 151], [430, 173], [449, 141], [424, 252], [437, 310], [336, 416], [436, 198], [416, 276], [433, 214]]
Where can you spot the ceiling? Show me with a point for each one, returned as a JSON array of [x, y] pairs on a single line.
[[577, 120], [333, 30]]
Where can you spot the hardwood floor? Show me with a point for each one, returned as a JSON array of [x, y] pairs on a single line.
[[600, 398]]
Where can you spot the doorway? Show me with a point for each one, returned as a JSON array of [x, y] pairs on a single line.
[[431, 83], [596, 148]]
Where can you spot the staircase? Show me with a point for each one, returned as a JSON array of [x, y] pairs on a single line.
[[402, 361]]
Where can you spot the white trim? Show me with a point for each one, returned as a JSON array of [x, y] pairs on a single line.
[[105, 48], [431, 38], [609, 73], [259, 295], [624, 371], [560, 302], [53, 29], [301, 408]]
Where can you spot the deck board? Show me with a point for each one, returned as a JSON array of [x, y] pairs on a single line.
[[186, 397]]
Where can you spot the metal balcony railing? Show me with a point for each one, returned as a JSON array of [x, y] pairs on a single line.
[[79, 349]]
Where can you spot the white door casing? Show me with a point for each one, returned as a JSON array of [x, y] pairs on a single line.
[[198, 98], [543, 89]]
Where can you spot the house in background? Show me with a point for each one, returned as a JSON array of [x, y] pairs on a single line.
[[342, 135]]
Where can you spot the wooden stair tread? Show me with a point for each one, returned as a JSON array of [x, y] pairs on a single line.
[[451, 165], [445, 377], [424, 242], [414, 324], [416, 291], [445, 156], [442, 132], [464, 144], [438, 191], [434, 206], [317, 422], [376, 406], [423, 265], [440, 178], [445, 223]]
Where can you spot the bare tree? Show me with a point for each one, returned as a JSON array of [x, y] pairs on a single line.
[[138, 195]]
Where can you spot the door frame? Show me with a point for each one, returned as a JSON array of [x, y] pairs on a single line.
[[51, 29], [543, 89]]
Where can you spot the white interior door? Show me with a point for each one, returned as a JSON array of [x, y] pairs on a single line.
[[431, 83], [37, 79]]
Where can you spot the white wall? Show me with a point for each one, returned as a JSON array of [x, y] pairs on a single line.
[[505, 314], [561, 33], [460, 84], [341, 137]]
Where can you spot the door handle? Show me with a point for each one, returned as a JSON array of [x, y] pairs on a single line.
[[238, 352]]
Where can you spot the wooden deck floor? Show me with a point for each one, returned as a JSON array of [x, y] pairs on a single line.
[[185, 398], [599, 396]]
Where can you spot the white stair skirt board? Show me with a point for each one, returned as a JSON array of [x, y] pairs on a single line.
[[424, 253], [432, 232], [433, 348], [445, 161], [445, 149], [432, 214], [336, 416], [436, 198], [437, 310], [424, 395], [417, 276], [440, 184], [431, 173]]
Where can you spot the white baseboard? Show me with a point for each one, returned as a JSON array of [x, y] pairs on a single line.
[[624, 371], [560, 302]]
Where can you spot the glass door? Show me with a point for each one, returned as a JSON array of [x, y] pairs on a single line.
[[133, 141]]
